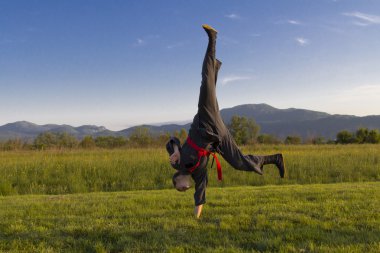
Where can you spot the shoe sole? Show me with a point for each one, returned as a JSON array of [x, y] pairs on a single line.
[[207, 27]]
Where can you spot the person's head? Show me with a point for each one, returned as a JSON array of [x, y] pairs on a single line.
[[181, 181]]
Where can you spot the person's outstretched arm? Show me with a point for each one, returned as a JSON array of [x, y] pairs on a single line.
[[200, 179], [198, 211], [176, 156]]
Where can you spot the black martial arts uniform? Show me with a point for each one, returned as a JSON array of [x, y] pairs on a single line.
[[209, 132]]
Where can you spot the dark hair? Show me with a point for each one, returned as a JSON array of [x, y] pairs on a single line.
[[178, 173], [175, 176]]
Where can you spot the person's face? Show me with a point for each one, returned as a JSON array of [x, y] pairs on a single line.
[[183, 182]]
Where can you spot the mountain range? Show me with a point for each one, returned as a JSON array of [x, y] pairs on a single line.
[[279, 122]]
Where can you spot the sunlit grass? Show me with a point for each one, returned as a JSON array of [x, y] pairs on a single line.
[[294, 218], [57, 172]]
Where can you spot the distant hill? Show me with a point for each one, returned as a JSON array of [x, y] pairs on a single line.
[[27, 130], [280, 122], [268, 114], [305, 123], [156, 129], [292, 121], [326, 127]]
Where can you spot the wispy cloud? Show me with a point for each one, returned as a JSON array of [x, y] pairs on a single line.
[[139, 42], [233, 16], [302, 41], [233, 79], [175, 45], [289, 22], [363, 19], [360, 23], [294, 22]]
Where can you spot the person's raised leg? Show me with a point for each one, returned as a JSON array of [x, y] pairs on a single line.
[[207, 105]]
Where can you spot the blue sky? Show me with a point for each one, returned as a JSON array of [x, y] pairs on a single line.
[[122, 63]]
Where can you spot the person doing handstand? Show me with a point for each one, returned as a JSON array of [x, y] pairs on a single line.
[[209, 135]]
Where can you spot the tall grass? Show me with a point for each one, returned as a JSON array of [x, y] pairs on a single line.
[[75, 171]]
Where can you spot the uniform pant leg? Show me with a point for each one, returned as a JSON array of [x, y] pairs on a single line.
[[232, 154], [208, 108]]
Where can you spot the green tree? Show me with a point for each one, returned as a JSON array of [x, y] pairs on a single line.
[[65, 140], [45, 140], [268, 139], [316, 140], [243, 130], [87, 142], [162, 139], [345, 137], [13, 144], [361, 135], [141, 136], [110, 141], [373, 136], [293, 139], [176, 134], [48, 140], [182, 135]]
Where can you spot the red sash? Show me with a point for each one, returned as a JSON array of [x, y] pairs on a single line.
[[203, 152]]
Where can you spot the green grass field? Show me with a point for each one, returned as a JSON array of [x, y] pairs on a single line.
[[122, 200], [79, 171], [293, 218]]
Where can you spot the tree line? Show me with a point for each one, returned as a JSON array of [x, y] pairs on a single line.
[[244, 130], [140, 137], [362, 135]]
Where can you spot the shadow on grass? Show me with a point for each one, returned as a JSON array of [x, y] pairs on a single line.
[[207, 235]]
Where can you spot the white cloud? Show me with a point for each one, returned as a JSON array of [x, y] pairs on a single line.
[[363, 19], [233, 16], [139, 42], [233, 78], [360, 23], [289, 21], [302, 41], [294, 22]]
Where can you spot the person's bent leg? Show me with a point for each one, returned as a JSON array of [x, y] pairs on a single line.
[[277, 160], [232, 154]]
